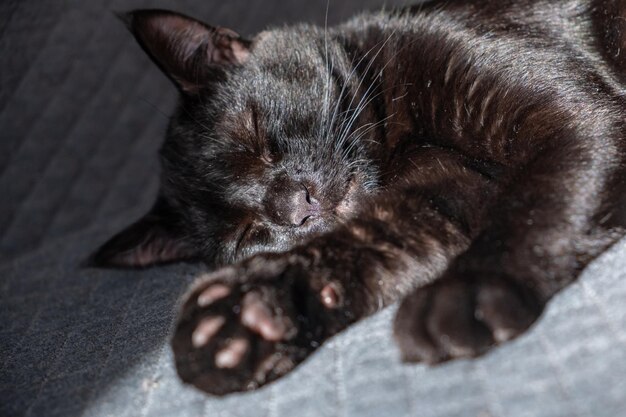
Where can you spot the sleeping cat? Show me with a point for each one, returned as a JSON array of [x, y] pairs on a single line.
[[465, 157]]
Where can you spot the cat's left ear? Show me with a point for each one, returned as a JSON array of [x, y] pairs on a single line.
[[154, 239], [184, 48]]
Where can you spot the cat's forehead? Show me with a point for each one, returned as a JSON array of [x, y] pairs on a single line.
[[282, 68], [292, 46]]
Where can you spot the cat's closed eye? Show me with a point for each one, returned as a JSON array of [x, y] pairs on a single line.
[[253, 234]]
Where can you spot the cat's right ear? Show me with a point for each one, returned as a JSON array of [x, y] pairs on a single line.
[[184, 48], [153, 239]]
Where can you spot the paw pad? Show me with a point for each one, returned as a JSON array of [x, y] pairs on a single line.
[[330, 296], [232, 354], [212, 294], [238, 333], [206, 330], [257, 316]]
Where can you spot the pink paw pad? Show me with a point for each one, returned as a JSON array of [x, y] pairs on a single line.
[[232, 354], [206, 330], [330, 296], [212, 294], [258, 317]]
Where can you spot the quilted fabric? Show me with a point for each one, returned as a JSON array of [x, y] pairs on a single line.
[[82, 113]]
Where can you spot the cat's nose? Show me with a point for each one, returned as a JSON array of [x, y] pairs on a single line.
[[303, 206], [293, 207]]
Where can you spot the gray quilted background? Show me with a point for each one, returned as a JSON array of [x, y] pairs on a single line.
[[82, 113]]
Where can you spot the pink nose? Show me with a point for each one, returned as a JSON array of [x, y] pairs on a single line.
[[301, 208], [291, 204]]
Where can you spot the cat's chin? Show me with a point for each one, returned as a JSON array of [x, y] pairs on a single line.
[[314, 227]]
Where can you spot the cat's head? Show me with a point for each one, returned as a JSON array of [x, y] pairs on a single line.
[[271, 144]]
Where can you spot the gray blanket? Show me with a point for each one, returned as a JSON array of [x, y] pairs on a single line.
[[82, 113]]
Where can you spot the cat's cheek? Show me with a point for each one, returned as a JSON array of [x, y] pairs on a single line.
[[347, 207]]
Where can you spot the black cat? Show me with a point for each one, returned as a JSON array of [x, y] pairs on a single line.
[[468, 157]]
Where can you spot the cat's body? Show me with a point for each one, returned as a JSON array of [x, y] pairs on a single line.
[[469, 156]]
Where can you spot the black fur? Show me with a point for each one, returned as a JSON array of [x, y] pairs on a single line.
[[468, 157]]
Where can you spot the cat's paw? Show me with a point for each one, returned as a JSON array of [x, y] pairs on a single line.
[[247, 325], [459, 318]]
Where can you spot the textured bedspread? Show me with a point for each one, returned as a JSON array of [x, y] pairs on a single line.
[[82, 113]]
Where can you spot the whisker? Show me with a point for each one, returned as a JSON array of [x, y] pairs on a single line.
[[356, 139], [351, 75], [360, 106], [358, 111], [328, 76], [367, 68]]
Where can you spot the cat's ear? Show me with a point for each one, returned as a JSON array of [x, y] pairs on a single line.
[[153, 239], [184, 48]]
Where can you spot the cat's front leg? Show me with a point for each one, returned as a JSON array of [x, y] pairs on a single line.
[[561, 212], [246, 325]]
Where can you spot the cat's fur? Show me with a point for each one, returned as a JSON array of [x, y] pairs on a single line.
[[467, 156]]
